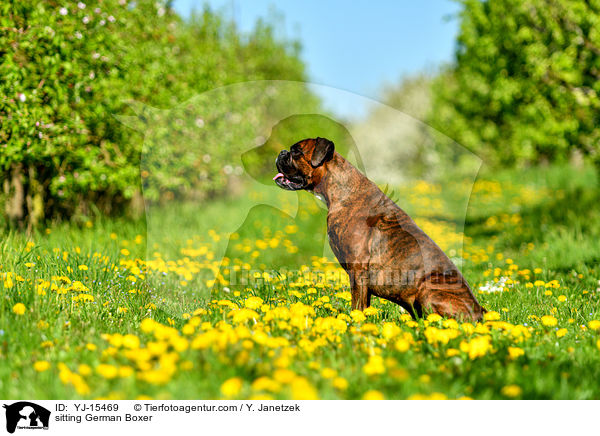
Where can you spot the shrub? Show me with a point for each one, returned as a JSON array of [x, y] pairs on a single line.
[[67, 68]]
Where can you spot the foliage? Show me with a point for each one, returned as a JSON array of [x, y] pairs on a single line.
[[68, 68], [525, 85]]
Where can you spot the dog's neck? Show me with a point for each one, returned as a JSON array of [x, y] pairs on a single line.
[[340, 181]]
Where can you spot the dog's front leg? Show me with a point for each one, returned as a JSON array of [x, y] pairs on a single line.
[[359, 281]]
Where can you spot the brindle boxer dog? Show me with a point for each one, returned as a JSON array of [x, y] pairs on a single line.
[[381, 248]]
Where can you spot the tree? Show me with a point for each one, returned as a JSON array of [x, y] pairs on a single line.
[[68, 68], [525, 85]]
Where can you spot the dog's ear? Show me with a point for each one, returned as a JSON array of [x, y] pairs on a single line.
[[322, 153]]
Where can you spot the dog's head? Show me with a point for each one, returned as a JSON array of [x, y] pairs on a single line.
[[303, 166]]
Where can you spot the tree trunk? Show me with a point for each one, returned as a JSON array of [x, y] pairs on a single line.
[[14, 189]]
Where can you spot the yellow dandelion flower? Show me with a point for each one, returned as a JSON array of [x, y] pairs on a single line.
[[374, 366], [515, 352], [340, 383], [373, 395], [41, 365], [303, 390], [328, 373], [19, 309], [107, 371], [231, 387], [511, 391], [357, 316], [84, 370], [560, 333], [549, 321], [433, 317], [594, 324], [83, 267]]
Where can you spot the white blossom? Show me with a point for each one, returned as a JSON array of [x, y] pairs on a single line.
[[63, 11]]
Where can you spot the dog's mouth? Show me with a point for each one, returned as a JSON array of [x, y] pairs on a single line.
[[286, 183]]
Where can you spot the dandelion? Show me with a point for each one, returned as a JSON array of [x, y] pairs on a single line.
[[328, 373], [84, 370], [374, 366], [19, 309], [511, 391], [515, 352], [560, 333], [107, 371], [41, 365], [373, 395], [594, 324], [303, 390], [549, 321], [231, 387], [83, 267], [491, 316], [340, 383]]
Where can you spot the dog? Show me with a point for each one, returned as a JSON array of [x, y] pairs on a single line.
[[380, 247]]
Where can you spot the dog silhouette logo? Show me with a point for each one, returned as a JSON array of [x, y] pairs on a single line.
[[26, 415]]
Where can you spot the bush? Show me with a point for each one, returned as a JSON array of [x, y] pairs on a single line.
[[68, 68], [525, 84]]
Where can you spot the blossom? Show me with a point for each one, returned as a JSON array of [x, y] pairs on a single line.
[[549, 321], [303, 390], [373, 395], [374, 366], [515, 352], [594, 324], [511, 391], [107, 371], [491, 316], [340, 383], [560, 333], [19, 309], [41, 365], [231, 387], [63, 11]]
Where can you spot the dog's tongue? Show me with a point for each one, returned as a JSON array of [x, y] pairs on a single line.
[[278, 176]]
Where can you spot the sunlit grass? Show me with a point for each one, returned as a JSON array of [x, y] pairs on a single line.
[[107, 310]]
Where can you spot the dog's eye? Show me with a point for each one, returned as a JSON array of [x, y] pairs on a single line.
[[296, 152]]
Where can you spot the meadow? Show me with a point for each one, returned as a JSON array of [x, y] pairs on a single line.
[[104, 309]]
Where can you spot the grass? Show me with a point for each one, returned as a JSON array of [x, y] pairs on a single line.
[[122, 309]]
